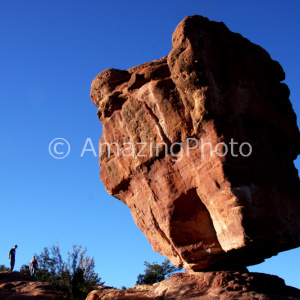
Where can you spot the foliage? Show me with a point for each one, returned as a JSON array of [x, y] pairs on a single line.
[[3, 268], [156, 273], [25, 269], [76, 276]]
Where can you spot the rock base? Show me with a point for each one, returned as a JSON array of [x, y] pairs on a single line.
[[205, 285]]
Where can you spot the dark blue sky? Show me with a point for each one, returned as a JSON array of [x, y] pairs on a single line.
[[50, 52]]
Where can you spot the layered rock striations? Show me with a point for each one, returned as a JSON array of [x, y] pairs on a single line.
[[200, 146]]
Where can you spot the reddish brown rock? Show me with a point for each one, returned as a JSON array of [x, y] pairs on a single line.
[[200, 145], [17, 286], [205, 285]]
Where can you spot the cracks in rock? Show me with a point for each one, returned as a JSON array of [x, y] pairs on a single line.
[[163, 235], [160, 130]]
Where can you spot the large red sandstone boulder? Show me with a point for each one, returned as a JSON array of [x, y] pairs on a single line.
[[200, 145], [221, 285]]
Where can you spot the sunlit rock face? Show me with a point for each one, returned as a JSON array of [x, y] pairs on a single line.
[[200, 146]]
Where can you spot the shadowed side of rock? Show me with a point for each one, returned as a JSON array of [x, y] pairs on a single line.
[[206, 285]]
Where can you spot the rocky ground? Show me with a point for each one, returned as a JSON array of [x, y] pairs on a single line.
[[219, 285], [15, 286], [215, 285]]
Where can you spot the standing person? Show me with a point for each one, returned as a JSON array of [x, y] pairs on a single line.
[[33, 267], [12, 256]]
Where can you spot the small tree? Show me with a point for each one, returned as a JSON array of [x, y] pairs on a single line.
[[81, 270], [156, 273], [76, 277], [51, 265]]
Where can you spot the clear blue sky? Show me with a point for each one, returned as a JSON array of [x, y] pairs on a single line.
[[50, 52]]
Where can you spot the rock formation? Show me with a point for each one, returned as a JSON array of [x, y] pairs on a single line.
[[221, 285], [17, 286], [200, 145]]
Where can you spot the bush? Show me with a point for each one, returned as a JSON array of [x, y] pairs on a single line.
[[156, 273], [3, 268], [76, 277], [25, 269]]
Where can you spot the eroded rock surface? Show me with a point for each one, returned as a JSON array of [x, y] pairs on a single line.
[[205, 285], [18, 286], [200, 145]]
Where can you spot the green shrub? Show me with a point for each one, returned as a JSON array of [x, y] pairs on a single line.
[[75, 277], [156, 273], [3, 268]]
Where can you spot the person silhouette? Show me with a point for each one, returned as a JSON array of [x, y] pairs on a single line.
[[33, 267], [12, 257]]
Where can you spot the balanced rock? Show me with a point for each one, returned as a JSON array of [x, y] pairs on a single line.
[[200, 146]]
